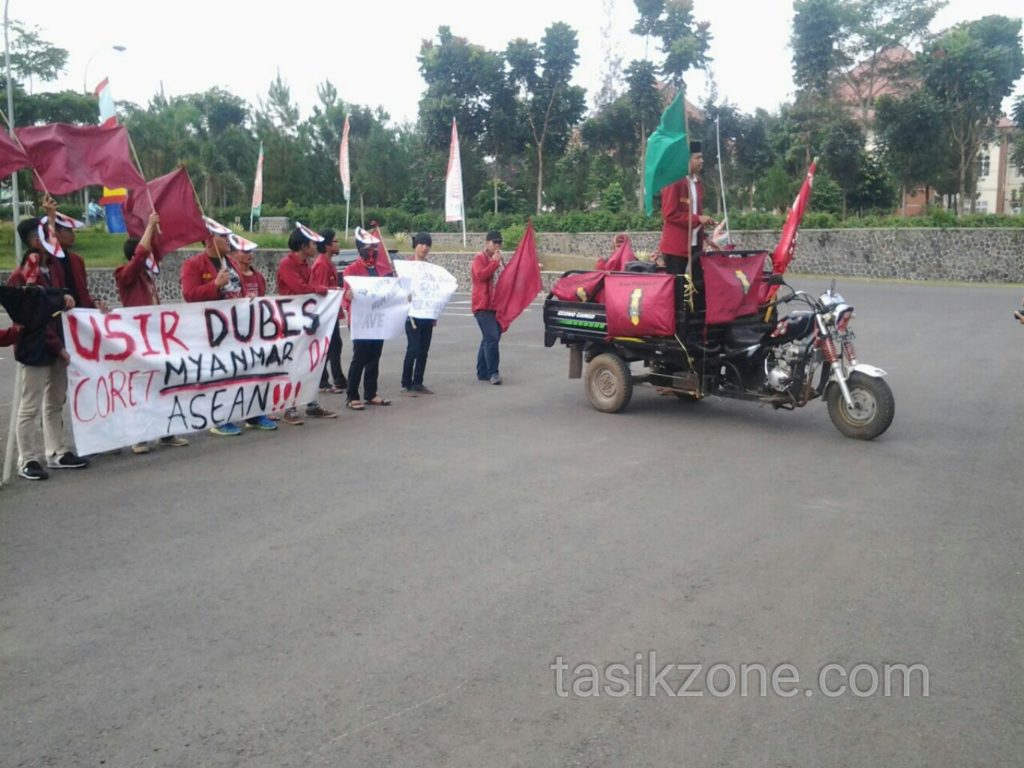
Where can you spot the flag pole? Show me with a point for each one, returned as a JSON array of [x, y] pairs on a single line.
[[721, 179], [463, 223], [689, 192], [346, 218], [135, 157]]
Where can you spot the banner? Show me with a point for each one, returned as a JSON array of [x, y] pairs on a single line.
[[454, 209], [141, 373], [379, 306], [257, 186], [432, 287], [343, 166]]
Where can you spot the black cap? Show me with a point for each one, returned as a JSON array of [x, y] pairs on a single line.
[[494, 236], [26, 228], [422, 238], [695, 148]]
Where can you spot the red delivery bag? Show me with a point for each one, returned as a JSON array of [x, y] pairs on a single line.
[[640, 304], [578, 287], [732, 285]]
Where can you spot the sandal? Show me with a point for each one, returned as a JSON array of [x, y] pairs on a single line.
[[378, 400], [355, 405]]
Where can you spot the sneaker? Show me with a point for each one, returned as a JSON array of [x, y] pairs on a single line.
[[174, 441], [226, 430], [318, 412], [140, 448], [407, 391], [260, 422], [67, 461], [495, 378], [33, 470], [422, 390], [291, 416]]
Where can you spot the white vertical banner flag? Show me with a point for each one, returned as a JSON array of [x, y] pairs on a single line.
[[108, 110], [257, 185], [168, 369], [453, 203], [379, 307], [432, 287], [343, 167]]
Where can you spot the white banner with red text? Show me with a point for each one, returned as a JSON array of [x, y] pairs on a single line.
[[140, 373], [379, 307]]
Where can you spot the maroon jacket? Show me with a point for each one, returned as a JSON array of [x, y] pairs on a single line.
[[678, 223], [197, 276], [135, 286], [9, 335], [80, 292], [294, 278], [483, 270]]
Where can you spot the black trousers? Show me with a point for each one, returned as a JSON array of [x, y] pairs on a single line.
[[365, 365], [418, 334], [333, 362]]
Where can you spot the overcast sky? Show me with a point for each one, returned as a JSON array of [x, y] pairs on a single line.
[[190, 45]]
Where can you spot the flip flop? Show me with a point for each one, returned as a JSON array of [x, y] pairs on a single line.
[[378, 401], [355, 405]]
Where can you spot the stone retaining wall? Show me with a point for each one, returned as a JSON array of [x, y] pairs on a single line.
[[969, 255]]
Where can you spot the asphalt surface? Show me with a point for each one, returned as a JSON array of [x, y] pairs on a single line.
[[393, 587]]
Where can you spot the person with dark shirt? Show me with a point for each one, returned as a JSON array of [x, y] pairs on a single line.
[[324, 272], [418, 332]]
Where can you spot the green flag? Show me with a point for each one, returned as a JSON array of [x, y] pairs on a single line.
[[668, 152]]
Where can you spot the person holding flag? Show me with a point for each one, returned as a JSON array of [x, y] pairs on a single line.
[[75, 277], [683, 218], [484, 270], [204, 280]]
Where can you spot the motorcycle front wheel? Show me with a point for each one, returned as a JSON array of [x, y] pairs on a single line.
[[873, 407]]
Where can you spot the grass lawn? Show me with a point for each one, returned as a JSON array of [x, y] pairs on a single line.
[[100, 249]]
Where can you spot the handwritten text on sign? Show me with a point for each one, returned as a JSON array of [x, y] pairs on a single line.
[[432, 287], [139, 373], [379, 306]]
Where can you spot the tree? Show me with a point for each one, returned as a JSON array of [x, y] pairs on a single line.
[[912, 135], [550, 105], [969, 70], [684, 41], [33, 57], [645, 103], [843, 155], [1017, 152], [818, 29]]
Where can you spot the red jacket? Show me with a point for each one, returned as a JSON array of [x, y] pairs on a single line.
[[80, 293], [483, 270], [135, 286], [253, 285], [324, 272], [293, 277], [678, 222], [361, 268], [197, 276]]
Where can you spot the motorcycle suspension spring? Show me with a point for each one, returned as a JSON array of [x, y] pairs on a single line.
[[828, 349], [850, 350]]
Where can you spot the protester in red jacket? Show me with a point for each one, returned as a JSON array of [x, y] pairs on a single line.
[[324, 272], [136, 280], [365, 366], [203, 279], [294, 278], [682, 212], [75, 277], [485, 267]]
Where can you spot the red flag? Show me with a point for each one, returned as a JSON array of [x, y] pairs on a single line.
[[732, 285], [69, 157], [181, 221], [519, 282], [12, 156], [622, 254], [783, 253], [382, 251]]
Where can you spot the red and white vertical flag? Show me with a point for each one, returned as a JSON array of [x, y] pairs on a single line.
[[783, 253], [346, 176], [108, 110], [454, 210], [257, 185]]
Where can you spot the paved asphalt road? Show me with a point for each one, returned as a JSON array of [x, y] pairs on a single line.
[[392, 588]]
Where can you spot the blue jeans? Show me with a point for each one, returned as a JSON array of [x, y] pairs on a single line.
[[487, 357]]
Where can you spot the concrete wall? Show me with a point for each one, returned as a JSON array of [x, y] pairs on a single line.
[[971, 255]]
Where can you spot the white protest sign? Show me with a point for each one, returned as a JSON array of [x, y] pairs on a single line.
[[140, 373], [379, 307], [432, 287]]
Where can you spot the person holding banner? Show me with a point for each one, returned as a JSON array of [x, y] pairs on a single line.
[[418, 332], [136, 287], [365, 352], [484, 273], [325, 273], [293, 279], [42, 360]]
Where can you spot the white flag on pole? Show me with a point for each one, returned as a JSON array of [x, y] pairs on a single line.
[[453, 203], [257, 186], [346, 178]]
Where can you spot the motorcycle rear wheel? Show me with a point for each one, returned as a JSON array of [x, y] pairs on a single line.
[[873, 407], [609, 383]]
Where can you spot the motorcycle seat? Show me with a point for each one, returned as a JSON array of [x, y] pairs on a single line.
[[745, 334]]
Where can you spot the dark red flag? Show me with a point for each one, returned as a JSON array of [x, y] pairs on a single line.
[[69, 157], [519, 282], [624, 253], [181, 220], [783, 253], [12, 156], [732, 285], [382, 251]]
